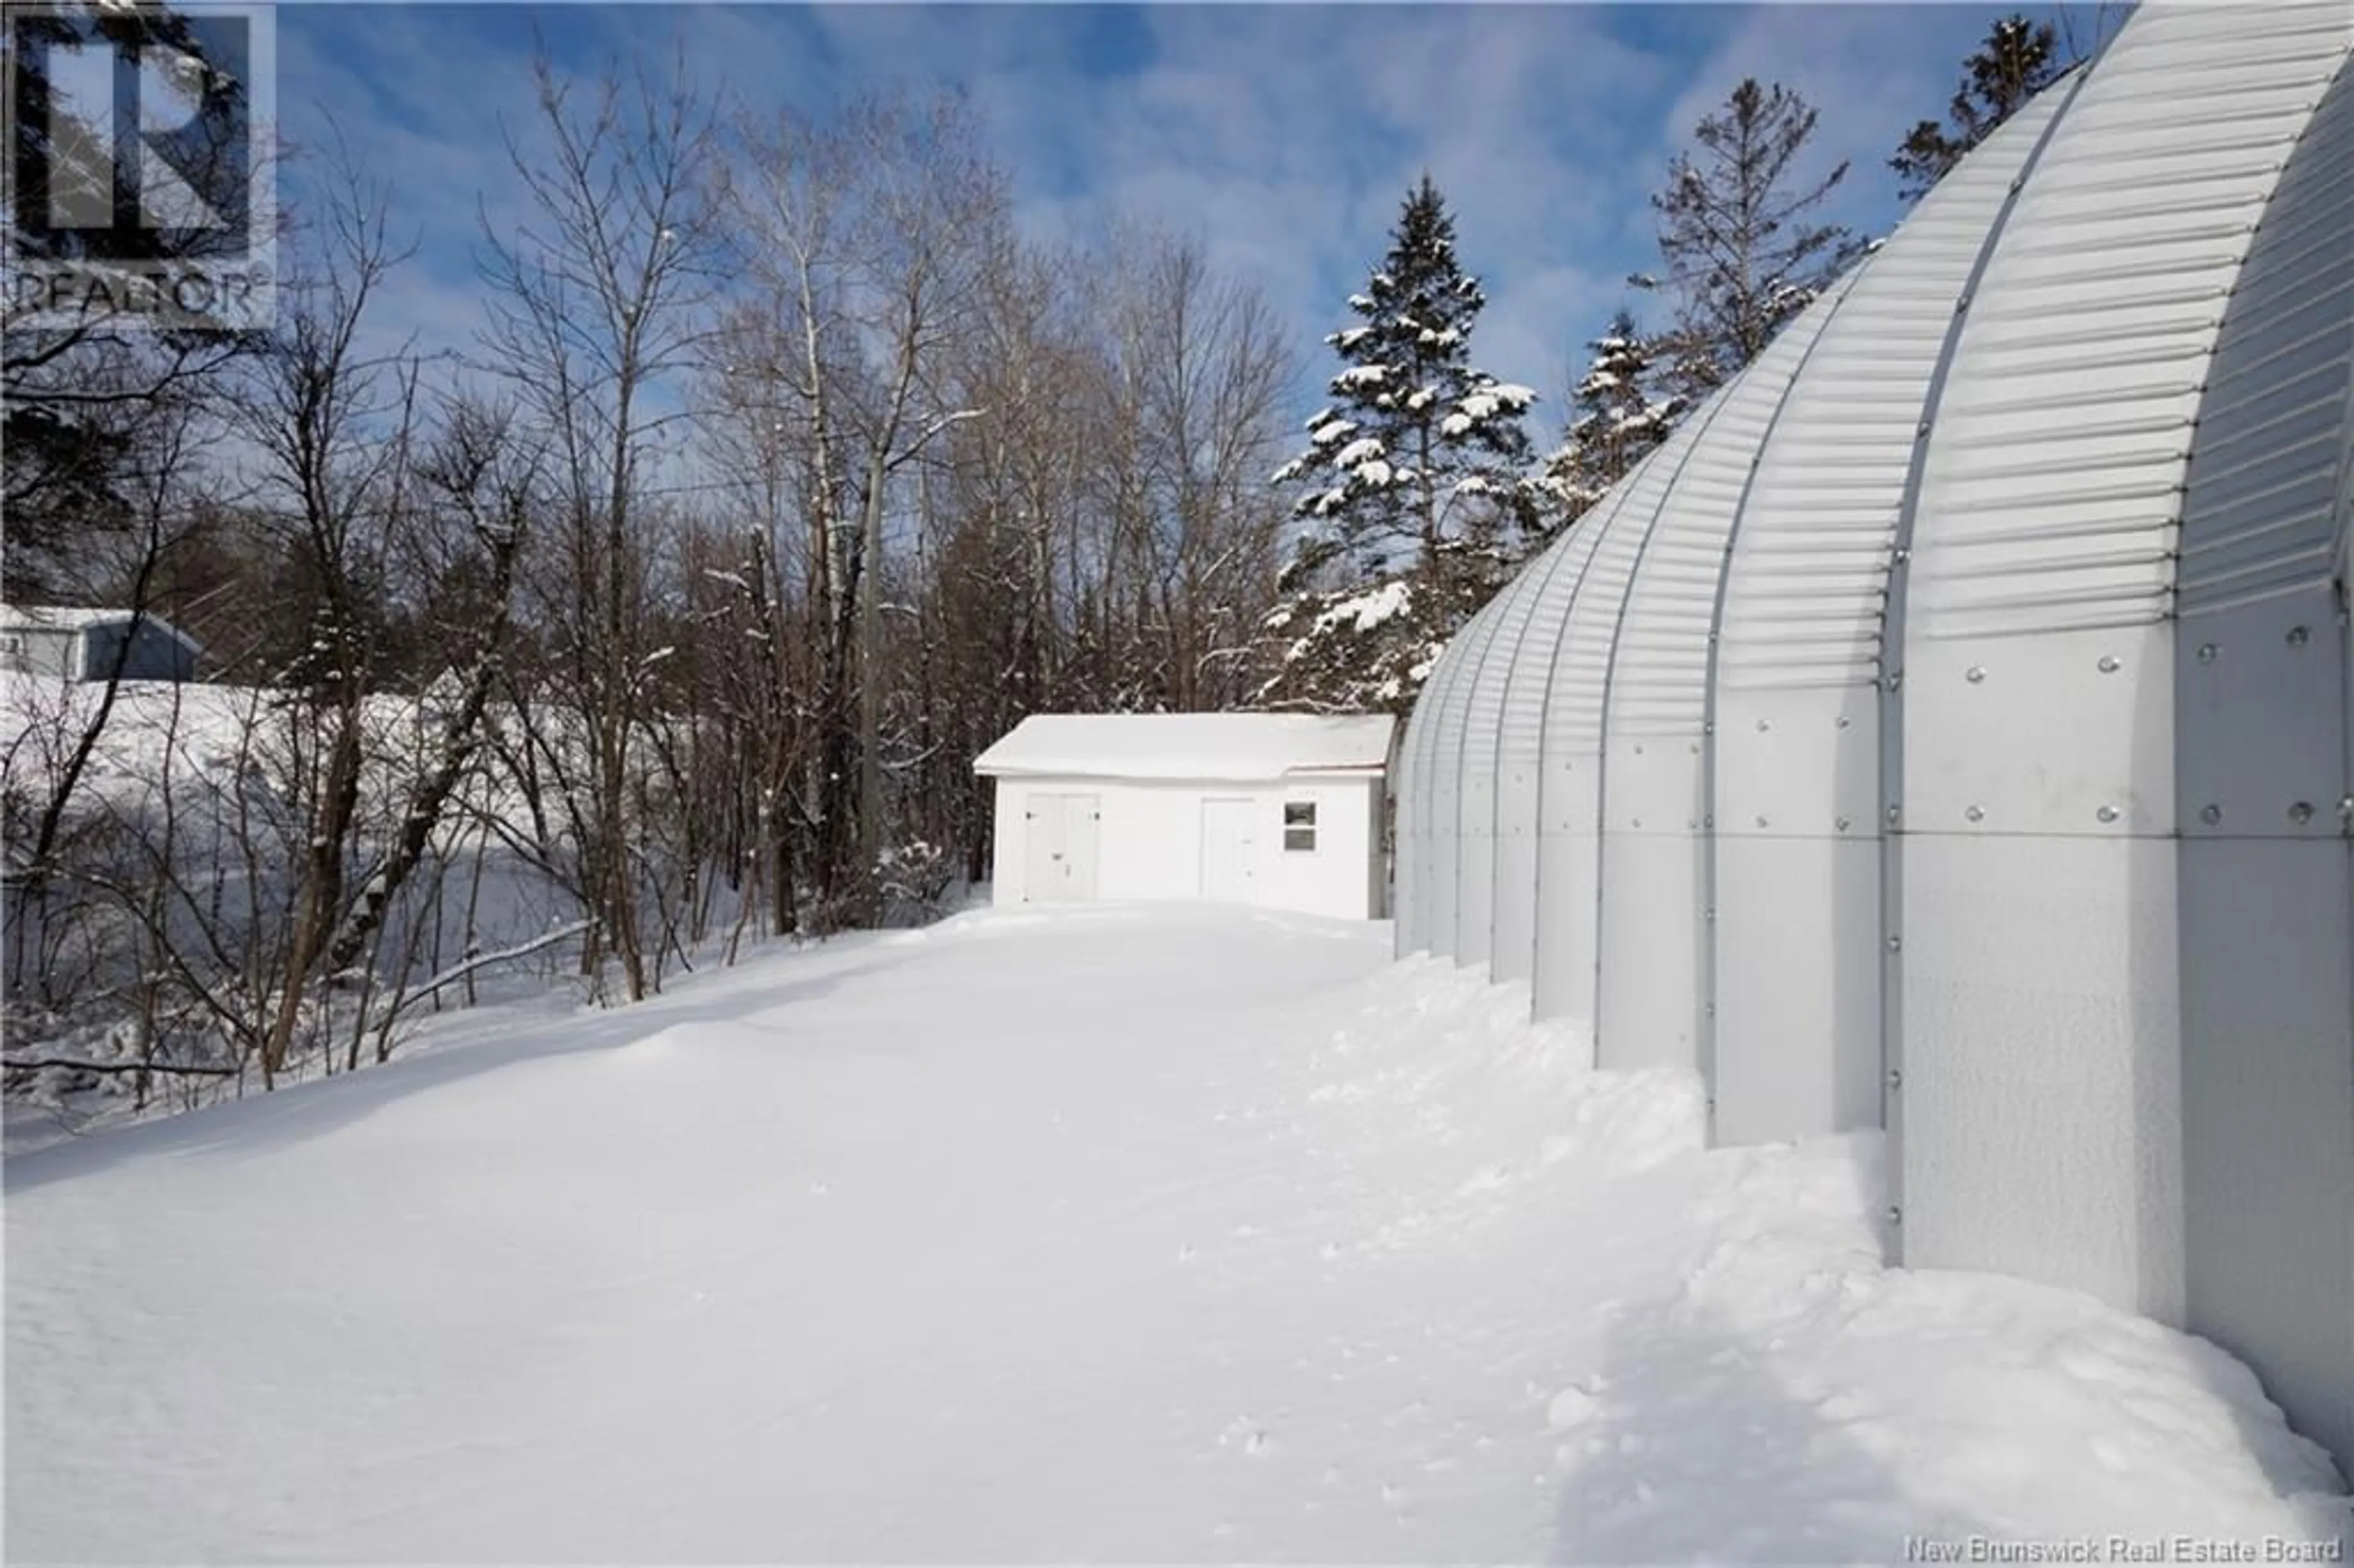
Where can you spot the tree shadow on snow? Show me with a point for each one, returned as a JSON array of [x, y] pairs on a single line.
[[1692, 1445]]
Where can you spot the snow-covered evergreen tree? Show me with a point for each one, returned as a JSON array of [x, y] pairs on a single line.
[[1419, 447], [1617, 414], [1418, 506]]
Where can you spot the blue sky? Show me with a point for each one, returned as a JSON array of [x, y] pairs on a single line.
[[1284, 135]]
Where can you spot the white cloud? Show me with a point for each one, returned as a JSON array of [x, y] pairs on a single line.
[[1284, 136]]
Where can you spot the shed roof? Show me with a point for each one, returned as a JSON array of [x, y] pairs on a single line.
[[78, 618], [1232, 746]]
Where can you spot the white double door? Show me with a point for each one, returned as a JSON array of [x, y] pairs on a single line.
[[1062, 836]]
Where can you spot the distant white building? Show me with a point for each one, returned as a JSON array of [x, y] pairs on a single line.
[[1283, 810], [83, 644]]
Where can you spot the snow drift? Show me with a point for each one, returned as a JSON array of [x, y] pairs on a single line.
[[1110, 1235]]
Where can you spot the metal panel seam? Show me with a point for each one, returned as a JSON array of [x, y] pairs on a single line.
[[1495, 611], [1496, 761], [1706, 1053], [1891, 666], [1723, 401], [2346, 625], [1438, 690], [1624, 489]]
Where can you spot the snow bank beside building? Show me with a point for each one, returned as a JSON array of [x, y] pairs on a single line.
[[1011, 1239]]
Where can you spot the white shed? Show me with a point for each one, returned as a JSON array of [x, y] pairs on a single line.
[[1280, 809], [86, 644]]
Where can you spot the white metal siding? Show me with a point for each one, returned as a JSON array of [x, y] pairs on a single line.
[[1475, 899], [1520, 740], [1418, 928], [1413, 802], [1794, 810], [2264, 753], [2020, 773], [1656, 906], [1445, 837], [1569, 847], [2039, 707]]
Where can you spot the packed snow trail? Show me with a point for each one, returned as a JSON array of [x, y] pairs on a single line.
[[1110, 1235]]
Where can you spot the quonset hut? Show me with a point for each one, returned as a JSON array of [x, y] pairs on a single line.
[[1948, 730]]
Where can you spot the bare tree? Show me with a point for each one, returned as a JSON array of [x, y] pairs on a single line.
[[598, 298], [867, 240], [332, 422], [1744, 252], [1199, 372]]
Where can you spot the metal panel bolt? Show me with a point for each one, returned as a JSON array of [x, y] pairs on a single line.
[[1922, 428], [1708, 914], [1976, 813], [1892, 816], [2110, 664], [1895, 943], [1902, 556], [1707, 822], [1840, 723], [1895, 1077], [1896, 681], [2298, 636], [1895, 1214], [2107, 813], [2346, 808], [2301, 813], [1975, 674], [1763, 726], [1761, 822], [1842, 824], [2210, 815], [1961, 304], [2207, 652]]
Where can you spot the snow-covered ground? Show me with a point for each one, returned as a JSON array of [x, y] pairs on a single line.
[[1113, 1236]]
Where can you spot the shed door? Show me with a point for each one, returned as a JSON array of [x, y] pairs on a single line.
[[1230, 831], [1061, 855]]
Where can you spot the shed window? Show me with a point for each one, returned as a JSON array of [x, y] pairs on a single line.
[[1299, 825]]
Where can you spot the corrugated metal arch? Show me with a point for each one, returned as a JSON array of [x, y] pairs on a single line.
[[2267, 1055], [1439, 776], [1658, 910], [1454, 780], [2139, 427], [1475, 892], [1520, 741], [1795, 815], [1569, 844], [2040, 1008]]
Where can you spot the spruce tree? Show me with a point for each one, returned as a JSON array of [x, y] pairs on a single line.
[[1419, 447], [1617, 414], [1744, 252], [1419, 505], [2019, 59]]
